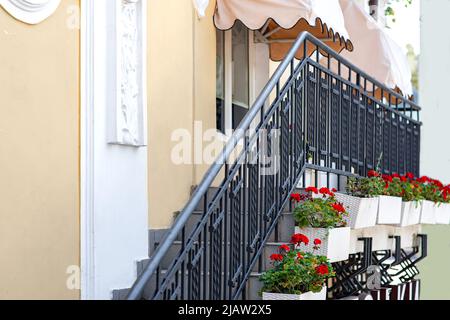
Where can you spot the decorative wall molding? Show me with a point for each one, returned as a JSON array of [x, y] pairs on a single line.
[[129, 114], [30, 11]]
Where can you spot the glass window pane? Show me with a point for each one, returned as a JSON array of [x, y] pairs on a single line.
[[240, 66], [220, 80]]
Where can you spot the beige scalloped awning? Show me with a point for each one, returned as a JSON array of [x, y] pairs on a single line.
[[280, 22], [376, 53]]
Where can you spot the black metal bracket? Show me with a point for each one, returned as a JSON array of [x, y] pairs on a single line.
[[350, 278], [351, 275], [398, 249], [406, 270]]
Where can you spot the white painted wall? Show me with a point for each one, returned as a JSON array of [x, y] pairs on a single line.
[[435, 157], [114, 214]]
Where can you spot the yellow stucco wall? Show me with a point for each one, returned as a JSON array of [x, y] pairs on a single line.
[[39, 143], [170, 101], [205, 78], [181, 89]]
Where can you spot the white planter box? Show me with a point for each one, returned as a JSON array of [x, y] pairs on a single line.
[[362, 212], [428, 213], [389, 210], [335, 242], [410, 213], [322, 295], [414, 213], [443, 213]]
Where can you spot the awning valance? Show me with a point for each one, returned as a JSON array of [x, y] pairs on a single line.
[[280, 22], [375, 52]]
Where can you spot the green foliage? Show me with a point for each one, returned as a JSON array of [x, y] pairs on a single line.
[[297, 273], [413, 60], [432, 192], [405, 186], [389, 10], [365, 187], [323, 212]]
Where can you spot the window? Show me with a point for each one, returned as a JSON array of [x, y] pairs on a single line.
[[220, 80], [232, 76]]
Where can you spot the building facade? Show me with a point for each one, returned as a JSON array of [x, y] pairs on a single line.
[[115, 112]]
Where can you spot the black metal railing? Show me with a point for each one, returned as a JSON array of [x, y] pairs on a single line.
[[320, 113]]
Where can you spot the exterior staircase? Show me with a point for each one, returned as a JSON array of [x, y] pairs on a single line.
[[317, 121], [281, 235]]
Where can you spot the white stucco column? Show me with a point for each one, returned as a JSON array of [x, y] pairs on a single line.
[[114, 189]]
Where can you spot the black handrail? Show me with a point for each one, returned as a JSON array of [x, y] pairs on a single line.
[[245, 208]]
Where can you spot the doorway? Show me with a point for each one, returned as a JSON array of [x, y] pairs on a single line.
[[242, 70]]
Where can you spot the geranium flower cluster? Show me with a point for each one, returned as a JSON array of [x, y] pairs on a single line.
[[319, 211], [295, 271], [409, 187]]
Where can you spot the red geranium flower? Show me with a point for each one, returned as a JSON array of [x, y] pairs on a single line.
[[326, 191], [334, 190], [387, 178], [423, 179], [437, 183], [296, 197], [299, 255], [338, 207], [285, 247], [395, 175], [276, 257], [372, 174], [312, 189], [317, 242], [299, 238], [322, 270], [409, 175]]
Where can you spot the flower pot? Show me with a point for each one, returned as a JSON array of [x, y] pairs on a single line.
[[443, 213], [410, 213], [389, 210], [413, 210], [362, 212], [428, 213], [335, 242], [322, 295]]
